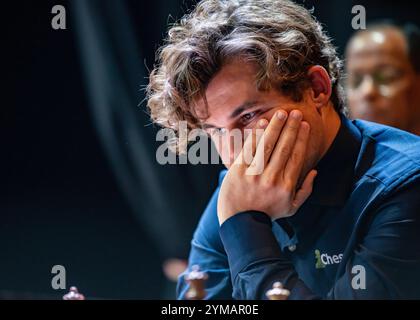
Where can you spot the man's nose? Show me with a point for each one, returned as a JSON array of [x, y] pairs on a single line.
[[368, 89]]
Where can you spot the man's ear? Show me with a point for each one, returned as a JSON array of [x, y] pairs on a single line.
[[320, 85]]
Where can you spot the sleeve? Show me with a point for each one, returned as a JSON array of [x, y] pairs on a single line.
[[388, 253], [208, 253]]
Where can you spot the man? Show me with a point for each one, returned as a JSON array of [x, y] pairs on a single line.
[[383, 65], [335, 211]]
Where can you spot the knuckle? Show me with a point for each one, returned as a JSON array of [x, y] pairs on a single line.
[[268, 148], [268, 182], [295, 158], [285, 150], [288, 187], [252, 178]]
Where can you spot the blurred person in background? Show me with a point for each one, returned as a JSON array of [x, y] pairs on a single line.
[[383, 67]]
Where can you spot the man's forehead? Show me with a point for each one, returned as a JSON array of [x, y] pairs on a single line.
[[234, 84], [382, 41], [372, 49]]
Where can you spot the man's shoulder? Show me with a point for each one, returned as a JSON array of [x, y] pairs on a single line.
[[389, 155]]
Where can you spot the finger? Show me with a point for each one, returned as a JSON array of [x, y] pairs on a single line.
[[251, 141], [294, 164], [286, 143], [305, 191], [269, 139]]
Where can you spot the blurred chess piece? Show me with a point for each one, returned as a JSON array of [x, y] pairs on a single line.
[[197, 280], [73, 295], [277, 292]]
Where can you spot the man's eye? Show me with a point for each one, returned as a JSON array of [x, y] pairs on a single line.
[[355, 81], [247, 117], [387, 76]]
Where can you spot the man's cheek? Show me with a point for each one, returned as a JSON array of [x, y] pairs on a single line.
[[221, 150], [227, 150]]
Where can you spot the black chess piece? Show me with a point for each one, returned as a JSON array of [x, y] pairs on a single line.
[[73, 295], [277, 292], [197, 280]]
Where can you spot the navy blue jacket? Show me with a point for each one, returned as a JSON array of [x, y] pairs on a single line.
[[356, 237]]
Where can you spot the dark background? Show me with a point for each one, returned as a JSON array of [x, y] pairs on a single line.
[[86, 193]]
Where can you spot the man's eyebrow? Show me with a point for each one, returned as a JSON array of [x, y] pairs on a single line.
[[244, 106], [238, 110], [205, 126]]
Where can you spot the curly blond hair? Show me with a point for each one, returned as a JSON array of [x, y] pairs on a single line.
[[281, 37]]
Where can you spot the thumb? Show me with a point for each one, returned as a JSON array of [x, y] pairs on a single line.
[[305, 191]]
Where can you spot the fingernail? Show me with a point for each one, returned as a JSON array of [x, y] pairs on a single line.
[[305, 125], [262, 123], [295, 114], [281, 115]]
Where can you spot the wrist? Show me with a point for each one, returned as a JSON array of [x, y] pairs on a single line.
[[225, 213]]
